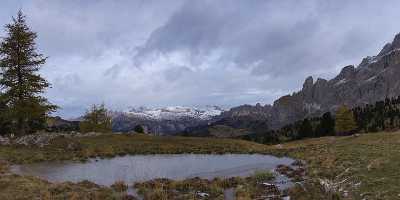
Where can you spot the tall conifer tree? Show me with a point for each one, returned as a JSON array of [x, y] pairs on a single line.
[[22, 86]]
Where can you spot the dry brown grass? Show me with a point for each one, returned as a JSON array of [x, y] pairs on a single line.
[[110, 145], [366, 166], [4, 167], [120, 186], [28, 188]]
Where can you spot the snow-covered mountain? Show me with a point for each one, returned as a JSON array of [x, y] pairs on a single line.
[[166, 120], [175, 112]]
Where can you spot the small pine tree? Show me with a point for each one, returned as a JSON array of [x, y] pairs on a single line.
[[96, 119], [139, 129], [326, 126], [345, 123], [306, 129], [22, 86]]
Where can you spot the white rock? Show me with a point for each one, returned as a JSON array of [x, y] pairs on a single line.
[[202, 194], [286, 198], [267, 184], [4, 140]]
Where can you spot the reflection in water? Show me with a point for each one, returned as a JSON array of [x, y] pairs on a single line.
[[140, 168]]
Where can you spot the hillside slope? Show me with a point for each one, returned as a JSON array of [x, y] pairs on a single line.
[[355, 167]]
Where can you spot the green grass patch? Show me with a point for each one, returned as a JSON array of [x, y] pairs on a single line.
[[263, 175]]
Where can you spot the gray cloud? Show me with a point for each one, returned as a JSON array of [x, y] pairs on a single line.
[[158, 53], [273, 37]]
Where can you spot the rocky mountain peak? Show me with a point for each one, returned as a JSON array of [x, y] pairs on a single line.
[[320, 81], [308, 83], [391, 46], [375, 79], [347, 72]]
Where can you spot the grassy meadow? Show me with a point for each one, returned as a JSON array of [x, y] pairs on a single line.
[[362, 166]]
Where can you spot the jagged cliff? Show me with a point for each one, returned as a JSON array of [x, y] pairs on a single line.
[[375, 78]]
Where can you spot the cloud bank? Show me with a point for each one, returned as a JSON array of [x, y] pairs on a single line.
[[158, 53]]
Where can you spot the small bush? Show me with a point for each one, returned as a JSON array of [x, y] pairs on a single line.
[[263, 175], [3, 167], [242, 193], [119, 186], [139, 129]]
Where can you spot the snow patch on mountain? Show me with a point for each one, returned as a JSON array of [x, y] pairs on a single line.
[[175, 112], [340, 82]]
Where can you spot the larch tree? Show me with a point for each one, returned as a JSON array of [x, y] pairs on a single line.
[[345, 123], [96, 119], [22, 86]]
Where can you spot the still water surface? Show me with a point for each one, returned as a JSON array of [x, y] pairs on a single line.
[[140, 168]]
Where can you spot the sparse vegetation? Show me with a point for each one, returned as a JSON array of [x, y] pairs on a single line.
[[194, 188], [263, 175]]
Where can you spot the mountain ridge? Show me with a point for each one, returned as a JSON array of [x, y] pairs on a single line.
[[374, 79], [164, 120]]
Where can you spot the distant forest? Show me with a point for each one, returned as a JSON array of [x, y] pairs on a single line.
[[381, 116]]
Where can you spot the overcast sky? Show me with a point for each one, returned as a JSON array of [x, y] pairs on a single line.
[[195, 53]]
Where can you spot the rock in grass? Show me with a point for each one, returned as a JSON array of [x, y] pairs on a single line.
[[4, 140], [298, 163], [286, 198], [202, 194], [285, 170]]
